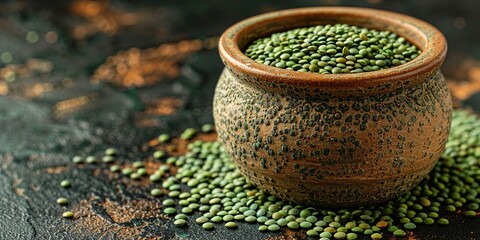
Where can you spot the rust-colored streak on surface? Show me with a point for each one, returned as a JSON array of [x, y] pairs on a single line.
[[99, 17], [465, 79], [56, 170], [89, 222], [97, 172], [89, 8], [3, 88], [159, 107], [289, 235], [143, 122], [164, 106], [151, 165], [67, 106], [32, 67], [141, 68], [37, 90], [132, 209], [21, 192]]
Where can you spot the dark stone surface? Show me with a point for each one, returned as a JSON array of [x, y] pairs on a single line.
[[40, 132]]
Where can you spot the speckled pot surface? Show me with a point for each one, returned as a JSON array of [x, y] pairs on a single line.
[[333, 140]]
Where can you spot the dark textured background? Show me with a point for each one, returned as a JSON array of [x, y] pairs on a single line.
[[50, 109]]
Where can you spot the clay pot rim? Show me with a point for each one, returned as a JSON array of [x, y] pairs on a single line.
[[429, 39]]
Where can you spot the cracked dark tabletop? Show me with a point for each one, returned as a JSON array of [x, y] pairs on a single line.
[[66, 89]]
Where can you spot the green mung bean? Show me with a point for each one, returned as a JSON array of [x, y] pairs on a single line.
[[77, 159], [339, 235], [201, 220], [443, 221], [364, 225], [330, 229], [311, 219], [142, 171], [470, 213], [168, 202], [367, 232], [216, 219], [376, 236], [263, 228], [325, 235], [169, 210], [67, 214], [188, 133], [312, 233], [110, 151], [137, 164], [127, 171], [351, 236], [208, 226], [250, 219], [273, 227], [293, 225], [473, 206], [91, 159], [305, 213], [305, 224], [155, 177], [335, 224], [392, 228], [357, 229], [239, 217], [450, 208], [270, 222], [230, 225], [62, 201], [108, 159], [181, 216], [163, 138], [428, 221], [399, 233], [300, 220], [282, 222], [417, 220], [156, 192], [410, 226], [187, 210], [206, 128], [228, 218], [135, 176], [158, 154], [65, 184], [180, 222]]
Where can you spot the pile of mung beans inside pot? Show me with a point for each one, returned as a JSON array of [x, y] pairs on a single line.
[[206, 186], [339, 48]]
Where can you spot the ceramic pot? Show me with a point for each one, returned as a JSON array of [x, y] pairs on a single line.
[[340, 139]]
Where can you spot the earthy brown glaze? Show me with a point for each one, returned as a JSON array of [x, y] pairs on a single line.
[[339, 139]]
